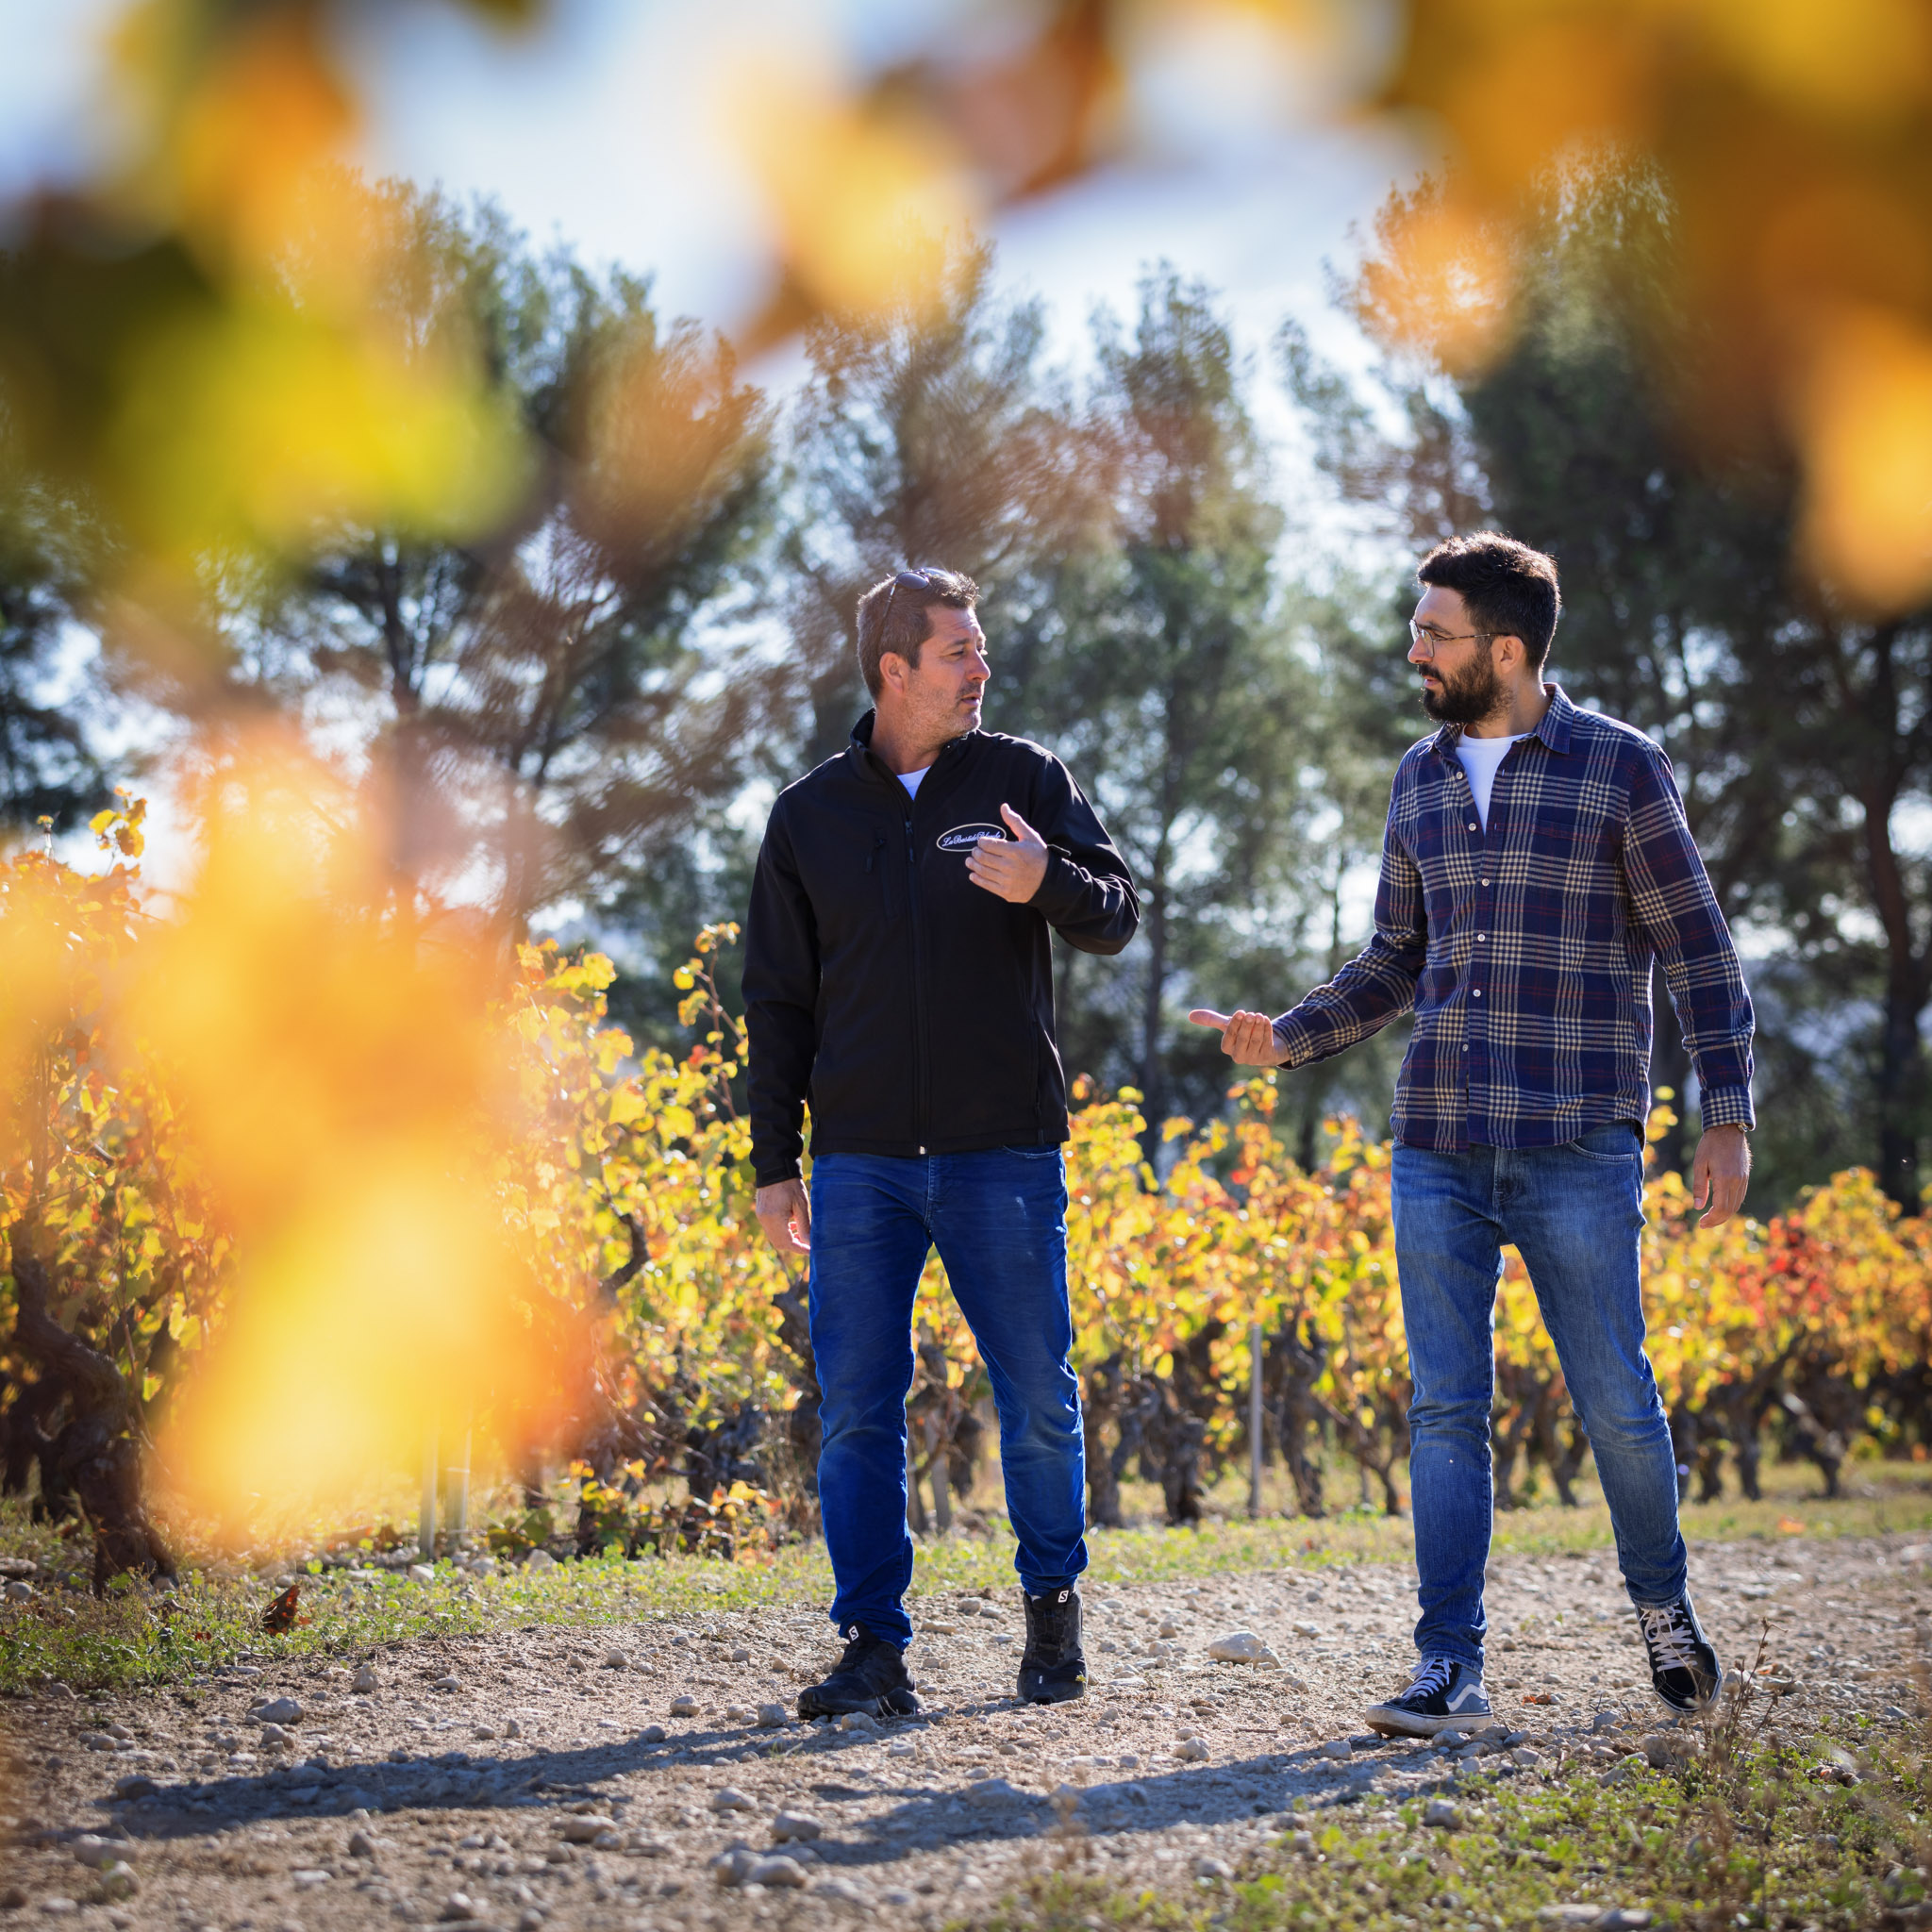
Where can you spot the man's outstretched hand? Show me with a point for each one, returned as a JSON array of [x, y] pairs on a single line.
[[1247, 1038], [1010, 868], [785, 1214], [1720, 1173]]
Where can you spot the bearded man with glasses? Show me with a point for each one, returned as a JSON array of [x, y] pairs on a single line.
[[898, 977], [1536, 864]]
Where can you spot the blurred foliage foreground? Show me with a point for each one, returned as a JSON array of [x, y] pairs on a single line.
[[302, 1170]]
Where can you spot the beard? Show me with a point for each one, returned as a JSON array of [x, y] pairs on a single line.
[[1478, 693]]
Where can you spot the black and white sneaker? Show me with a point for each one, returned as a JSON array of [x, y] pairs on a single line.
[[1684, 1666], [1054, 1667], [1445, 1694], [869, 1676]]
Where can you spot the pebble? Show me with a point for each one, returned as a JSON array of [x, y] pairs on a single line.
[[118, 1881], [1663, 1750], [616, 1661], [539, 1560], [588, 1829], [135, 1787], [99, 1853], [1212, 1868], [729, 1868], [278, 1710], [421, 1573], [1441, 1814], [740, 1714], [457, 1909], [365, 1682], [653, 1734], [799, 1828], [991, 1791], [732, 1799], [1304, 1842], [1191, 1750], [19, 1592], [684, 1706], [309, 1875], [773, 1715], [1337, 1748], [1241, 1647], [858, 1721], [777, 1869], [451, 1682]]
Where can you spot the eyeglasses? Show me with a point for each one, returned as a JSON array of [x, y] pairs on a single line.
[[911, 580], [1421, 633]]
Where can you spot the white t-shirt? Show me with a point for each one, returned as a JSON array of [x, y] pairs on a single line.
[[1479, 758], [910, 781]]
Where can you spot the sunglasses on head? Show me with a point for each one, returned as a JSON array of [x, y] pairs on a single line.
[[909, 579]]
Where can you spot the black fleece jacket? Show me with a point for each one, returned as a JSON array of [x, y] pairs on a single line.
[[910, 1007]]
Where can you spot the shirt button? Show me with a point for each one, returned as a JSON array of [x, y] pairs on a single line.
[[1471, 825], [1482, 935], [1486, 882], [1476, 995]]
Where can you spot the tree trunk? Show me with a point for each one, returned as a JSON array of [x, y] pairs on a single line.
[[97, 1456], [1153, 1066], [1902, 1076], [1100, 1401]]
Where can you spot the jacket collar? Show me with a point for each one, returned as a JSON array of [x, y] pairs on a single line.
[[1553, 728], [862, 756]]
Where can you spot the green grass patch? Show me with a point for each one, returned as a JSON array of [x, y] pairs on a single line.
[[1753, 1839]]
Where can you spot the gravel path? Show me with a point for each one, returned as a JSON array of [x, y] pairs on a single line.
[[543, 1777]]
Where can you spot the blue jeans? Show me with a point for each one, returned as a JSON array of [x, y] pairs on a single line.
[[999, 1221], [1573, 1213]]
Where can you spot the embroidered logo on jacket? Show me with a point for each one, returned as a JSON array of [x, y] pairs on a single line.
[[964, 838]]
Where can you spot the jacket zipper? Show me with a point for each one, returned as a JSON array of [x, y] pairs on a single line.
[[921, 1099]]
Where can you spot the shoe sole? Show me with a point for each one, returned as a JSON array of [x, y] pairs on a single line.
[[1697, 1706], [891, 1704], [1401, 1724], [1053, 1693]]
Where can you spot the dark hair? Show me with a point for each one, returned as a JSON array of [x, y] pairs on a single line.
[[893, 615], [1510, 590]]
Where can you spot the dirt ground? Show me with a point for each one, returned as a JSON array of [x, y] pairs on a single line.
[[549, 1777]]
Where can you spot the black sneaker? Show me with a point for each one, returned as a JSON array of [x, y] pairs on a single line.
[[1054, 1667], [1684, 1666], [871, 1677], [1445, 1694]]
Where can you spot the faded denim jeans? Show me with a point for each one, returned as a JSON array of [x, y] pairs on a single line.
[[1574, 1212], [999, 1221]]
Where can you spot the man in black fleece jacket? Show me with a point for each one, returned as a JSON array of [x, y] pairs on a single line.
[[899, 979]]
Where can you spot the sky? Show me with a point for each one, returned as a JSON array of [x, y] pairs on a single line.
[[606, 129]]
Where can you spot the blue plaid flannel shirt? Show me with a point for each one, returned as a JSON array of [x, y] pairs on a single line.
[[1526, 949]]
